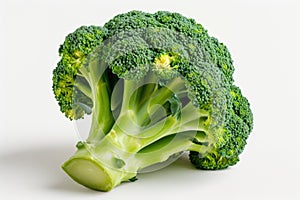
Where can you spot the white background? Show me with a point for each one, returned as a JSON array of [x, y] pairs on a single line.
[[263, 38]]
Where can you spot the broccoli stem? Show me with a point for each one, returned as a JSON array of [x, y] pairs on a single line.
[[168, 146], [149, 98], [83, 88], [117, 149], [102, 118], [104, 165], [86, 168]]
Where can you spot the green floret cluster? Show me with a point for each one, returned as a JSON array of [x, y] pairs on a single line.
[[155, 85], [239, 123], [74, 52]]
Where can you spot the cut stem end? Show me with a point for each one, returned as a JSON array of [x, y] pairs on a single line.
[[88, 173]]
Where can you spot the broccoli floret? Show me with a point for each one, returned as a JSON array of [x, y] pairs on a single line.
[[238, 126], [73, 52], [155, 85]]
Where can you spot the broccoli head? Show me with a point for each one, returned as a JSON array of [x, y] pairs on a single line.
[[155, 85]]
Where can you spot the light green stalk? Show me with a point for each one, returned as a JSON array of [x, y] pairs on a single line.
[[136, 139]]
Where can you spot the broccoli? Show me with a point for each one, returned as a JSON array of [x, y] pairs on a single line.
[[155, 85]]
